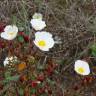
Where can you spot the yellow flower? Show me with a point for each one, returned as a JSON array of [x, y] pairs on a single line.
[[82, 67], [10, 32], [43, 40]]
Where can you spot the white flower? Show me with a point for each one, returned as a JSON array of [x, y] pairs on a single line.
[[38, 24], [37, 16], [9, 60], [82, 67], [43, 40], [10, 32]]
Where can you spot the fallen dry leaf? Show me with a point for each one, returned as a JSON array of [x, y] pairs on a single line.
[[21, 66]]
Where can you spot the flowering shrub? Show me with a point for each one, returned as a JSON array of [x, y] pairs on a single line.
[[43, 40]]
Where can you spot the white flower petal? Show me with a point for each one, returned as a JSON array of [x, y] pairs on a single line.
[[14, 28], [11, 28], [6, 61], [8, 28], [43, 34], [50, 42], [84, 65], [38, 24], [3, 35], [44, 49]]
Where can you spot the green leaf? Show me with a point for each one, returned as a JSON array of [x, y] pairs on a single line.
[[33, 77], [93, 50], [33, 90], [14, 19], [27, 33], [20, 39], [50, 81], [93, 53], [7, 74], [13, 78], [21, 92]]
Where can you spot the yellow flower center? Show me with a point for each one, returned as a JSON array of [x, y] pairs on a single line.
[[37, 17], [11, 33], [81, 70], [42, 43]]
